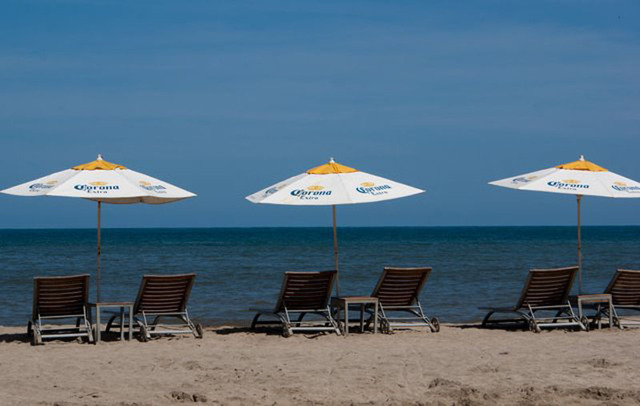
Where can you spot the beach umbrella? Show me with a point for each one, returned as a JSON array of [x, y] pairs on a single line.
[[102, 182], [580, 178], [332, 184]]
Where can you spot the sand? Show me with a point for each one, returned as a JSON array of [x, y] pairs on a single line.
[[230, 366]]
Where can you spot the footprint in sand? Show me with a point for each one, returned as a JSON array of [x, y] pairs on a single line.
[[192, 365], [602, 363]]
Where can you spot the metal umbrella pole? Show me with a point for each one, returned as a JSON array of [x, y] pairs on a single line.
[[98, 274], [579, 198], [335, 249]]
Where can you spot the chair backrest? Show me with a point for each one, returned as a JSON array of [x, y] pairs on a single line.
[[55, 296], [547, 287], [164, 293], [400, 286], [305, 290], [625, 288]]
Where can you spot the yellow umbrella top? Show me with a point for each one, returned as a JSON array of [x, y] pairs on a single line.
[[332, 167], [582, 165], [98, 165]]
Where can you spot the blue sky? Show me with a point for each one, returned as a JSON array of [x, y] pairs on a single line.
[[225, 98]]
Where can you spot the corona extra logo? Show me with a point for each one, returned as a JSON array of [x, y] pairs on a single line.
[[524, 179], [313, 192], [97, 187], [624, 187], [146, 185], [38, 187], [567, 184], [370, 188], [272, 190]]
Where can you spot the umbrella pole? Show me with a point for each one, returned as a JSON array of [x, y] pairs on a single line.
[[335, 249], [98, 273], [579, 198]]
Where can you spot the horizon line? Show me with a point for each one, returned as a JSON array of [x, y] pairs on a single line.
[[302, 227]]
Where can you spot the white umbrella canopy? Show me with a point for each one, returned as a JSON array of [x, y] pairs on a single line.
[[580, 178], [102, 182], [332, 184]]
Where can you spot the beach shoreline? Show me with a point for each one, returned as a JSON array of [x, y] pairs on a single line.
[[462, 365]]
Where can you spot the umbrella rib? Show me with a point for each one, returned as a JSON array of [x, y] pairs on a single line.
[[611, 195], [536, 182], [145, 193], [344, 186], [60, 184]]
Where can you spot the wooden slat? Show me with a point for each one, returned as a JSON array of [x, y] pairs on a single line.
[[625, 288], [305, 290], [548, 287], [400, 286], [164, 293], [59, 296]]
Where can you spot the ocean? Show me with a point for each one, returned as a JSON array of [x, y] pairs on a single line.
[[241, 268]]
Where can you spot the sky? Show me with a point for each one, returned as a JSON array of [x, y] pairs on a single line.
[[225, 98]]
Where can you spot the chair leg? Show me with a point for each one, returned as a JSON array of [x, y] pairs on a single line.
[[195, 327], [36, 338], [30, 329], [87, 325], [368, 322], [300, 317], [582, 323], [287, 331], [109, 323], [555, 319], [531, 320], [255, 321], [155, 323], [486, 318], [332, 321], [434, 323]]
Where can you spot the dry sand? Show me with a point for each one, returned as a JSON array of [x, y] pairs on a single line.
[[461, 366]]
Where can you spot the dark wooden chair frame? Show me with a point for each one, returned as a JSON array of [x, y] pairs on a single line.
[[163, 297], [56, 298], [302, 293], [624, 289], [545, 290], [398, 292]]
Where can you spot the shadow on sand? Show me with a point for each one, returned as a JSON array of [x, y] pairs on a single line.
[[262, 330], [14, 338], [503, 327]]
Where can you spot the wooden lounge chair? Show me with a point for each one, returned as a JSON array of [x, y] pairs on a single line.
[[546, 290], [302, 293], [624, 289], [398, 291], [57, 298], [162, 297]]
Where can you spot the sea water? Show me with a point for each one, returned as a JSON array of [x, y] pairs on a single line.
[[241, 268]]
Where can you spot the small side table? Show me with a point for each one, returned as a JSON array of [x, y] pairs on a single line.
[[118, 305], [343, 302], [600, 298]]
